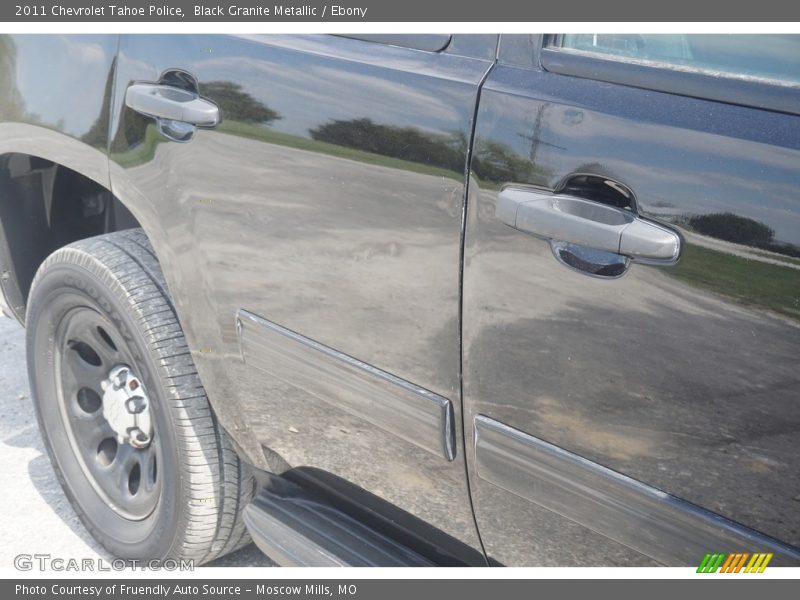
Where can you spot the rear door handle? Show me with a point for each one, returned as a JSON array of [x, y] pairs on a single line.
[[172, 103], [584, 223]]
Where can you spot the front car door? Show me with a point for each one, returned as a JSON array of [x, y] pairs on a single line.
[[644, 412], [311, 241]]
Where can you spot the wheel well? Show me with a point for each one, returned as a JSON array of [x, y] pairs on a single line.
[[44, 206]]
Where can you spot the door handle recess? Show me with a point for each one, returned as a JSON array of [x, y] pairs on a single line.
[[589, 224], [172, 103]]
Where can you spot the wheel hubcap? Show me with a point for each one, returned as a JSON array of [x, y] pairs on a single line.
[[108, 413], [126, 407]]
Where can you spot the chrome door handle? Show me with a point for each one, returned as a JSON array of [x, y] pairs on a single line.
[[172, 103], [588, 224]]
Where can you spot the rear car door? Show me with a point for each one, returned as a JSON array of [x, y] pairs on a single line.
[[311, 241], [635, 412]]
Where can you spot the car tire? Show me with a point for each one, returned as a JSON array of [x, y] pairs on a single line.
[[125, 419]]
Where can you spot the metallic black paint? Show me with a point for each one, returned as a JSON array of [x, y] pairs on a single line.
[[331, 200], [685, 378], [397, 406], [641, 517], [68, 127]]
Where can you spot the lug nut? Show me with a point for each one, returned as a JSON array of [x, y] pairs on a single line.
[[121, 376], [138, 437], [135, 405]]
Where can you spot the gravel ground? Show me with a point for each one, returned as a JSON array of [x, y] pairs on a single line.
[[38, 518]]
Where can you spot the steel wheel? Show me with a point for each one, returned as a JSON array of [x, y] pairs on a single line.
[[106, 408], [123, 413]]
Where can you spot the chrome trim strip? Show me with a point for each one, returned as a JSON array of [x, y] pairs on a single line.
[[400, 407], [667, 529]]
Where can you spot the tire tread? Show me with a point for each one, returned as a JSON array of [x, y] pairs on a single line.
[[127, 264]]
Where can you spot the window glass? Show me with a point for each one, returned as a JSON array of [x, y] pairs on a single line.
[[775, 57]]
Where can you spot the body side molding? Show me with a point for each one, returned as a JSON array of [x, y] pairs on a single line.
[[400, 407], [659, 525]]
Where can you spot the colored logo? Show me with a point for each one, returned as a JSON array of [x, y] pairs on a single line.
[[739, 562]]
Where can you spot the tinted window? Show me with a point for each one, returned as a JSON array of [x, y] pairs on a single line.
[[775, 57]]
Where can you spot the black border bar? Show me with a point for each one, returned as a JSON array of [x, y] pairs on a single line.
[[354, 11]]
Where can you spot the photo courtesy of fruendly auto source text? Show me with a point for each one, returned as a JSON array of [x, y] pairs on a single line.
[[374, 300]]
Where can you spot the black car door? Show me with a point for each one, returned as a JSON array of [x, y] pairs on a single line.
[[625, 407], [311, 240]]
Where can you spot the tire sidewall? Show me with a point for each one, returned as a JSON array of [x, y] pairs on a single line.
[[61, 287]]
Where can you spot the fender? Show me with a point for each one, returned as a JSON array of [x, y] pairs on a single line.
[[64, 151], [59, 148]]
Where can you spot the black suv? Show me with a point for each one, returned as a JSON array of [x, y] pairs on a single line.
[[411, 300]]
